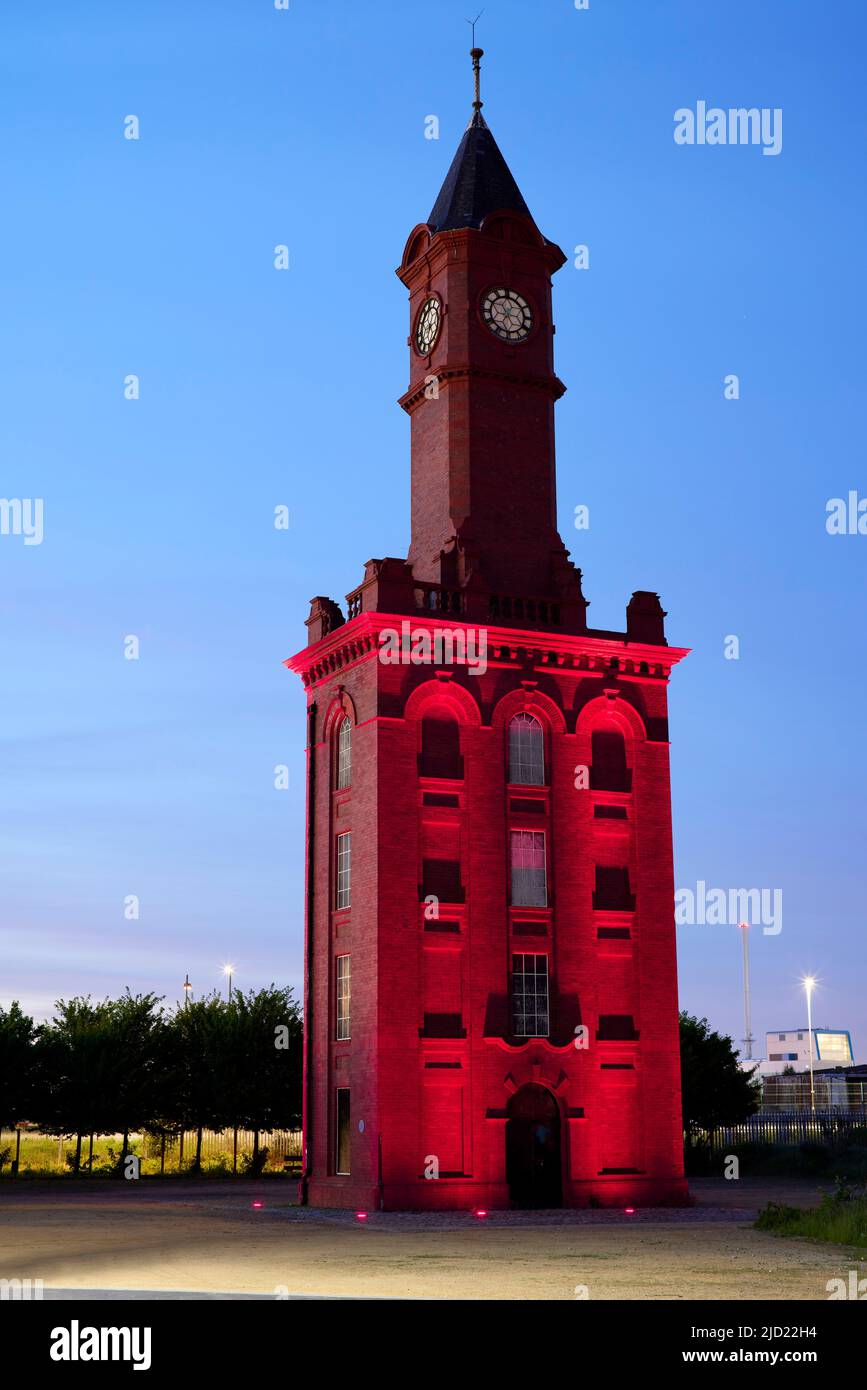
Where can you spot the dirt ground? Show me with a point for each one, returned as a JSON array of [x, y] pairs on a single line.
[[208, 1238]]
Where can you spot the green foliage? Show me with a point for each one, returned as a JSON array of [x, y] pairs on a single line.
[[195, 1080], [17, 1059], [123, 1065], [73, 1059], [844, 1155], [716, 1091], [841, 1218], [136, 1035], [97, 1067], [254, 1163], [271, 1095]]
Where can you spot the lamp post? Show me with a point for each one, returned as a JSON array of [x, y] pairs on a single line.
[[228, 971], [809, 984], [748, 1039], [188, 989]]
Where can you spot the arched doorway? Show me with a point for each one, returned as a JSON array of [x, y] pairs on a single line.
[[533, 1148]]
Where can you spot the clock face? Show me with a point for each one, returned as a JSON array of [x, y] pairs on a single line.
[[507, 314], [427, 325]]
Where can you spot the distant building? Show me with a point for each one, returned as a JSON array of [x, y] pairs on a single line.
[[834, 1088], [790, 1050]]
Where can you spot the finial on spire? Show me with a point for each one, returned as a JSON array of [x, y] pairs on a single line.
[[477, 55]]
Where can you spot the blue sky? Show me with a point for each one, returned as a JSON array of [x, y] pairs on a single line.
[[259, 388]]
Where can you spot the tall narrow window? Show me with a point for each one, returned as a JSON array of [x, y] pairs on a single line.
[[526, 751], [609, 771], [343, 997], [343, 896], [530, 996], [344, 755], [440, 747], [341, 1138], [529, 884]]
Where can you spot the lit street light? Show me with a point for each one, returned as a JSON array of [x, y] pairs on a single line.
[[228, 971], [809, 984], [188, 989]]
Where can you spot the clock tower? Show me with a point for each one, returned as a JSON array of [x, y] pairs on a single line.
[[490, 977]]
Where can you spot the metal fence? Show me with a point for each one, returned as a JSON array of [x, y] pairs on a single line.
[[790, 1127], [835, 1091], [283, 1145], [227, 1152]]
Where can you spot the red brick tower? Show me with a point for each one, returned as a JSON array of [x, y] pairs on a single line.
[[490, 997]]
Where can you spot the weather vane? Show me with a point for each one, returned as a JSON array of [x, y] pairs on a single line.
[[472, 23]]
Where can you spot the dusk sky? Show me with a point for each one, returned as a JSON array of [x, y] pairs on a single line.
[[261, 387]]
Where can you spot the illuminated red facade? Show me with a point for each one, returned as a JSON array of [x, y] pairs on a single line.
[[490, 1001]]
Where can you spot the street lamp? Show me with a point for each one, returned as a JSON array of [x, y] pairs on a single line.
[[809, 984], [228, 971], [748, 1040], [188, 989]]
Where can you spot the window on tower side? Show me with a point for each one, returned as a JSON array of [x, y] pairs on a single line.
[[609, 771], [341, 1144], [344, 755], [526, 751], [343, 896], [612, 890], [343, 991], [530, 996], [529, 883], [440, 747]]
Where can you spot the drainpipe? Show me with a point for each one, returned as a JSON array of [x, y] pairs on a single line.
[[307, 1099], [380, 1185]]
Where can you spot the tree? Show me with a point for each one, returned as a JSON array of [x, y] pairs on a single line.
[[716, 1091], [198, 1042], [17, 1067], [136, 1024], [97, 1068], [268, 1039], [74, 1060]]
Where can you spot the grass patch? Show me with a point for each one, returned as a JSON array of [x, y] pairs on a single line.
[[840, 1219]]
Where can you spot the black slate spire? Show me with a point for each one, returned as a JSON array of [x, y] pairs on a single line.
[[478, 182]]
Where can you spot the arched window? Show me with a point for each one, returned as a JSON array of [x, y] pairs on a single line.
[[344, 755], [526, 751], [609, 771]]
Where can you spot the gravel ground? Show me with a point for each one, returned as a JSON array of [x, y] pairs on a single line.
[[208, 1240]]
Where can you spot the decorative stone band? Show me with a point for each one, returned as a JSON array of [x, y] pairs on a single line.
[[551, 385]]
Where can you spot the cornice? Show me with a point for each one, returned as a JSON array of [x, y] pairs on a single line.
[[551, 385], [581, 655]]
